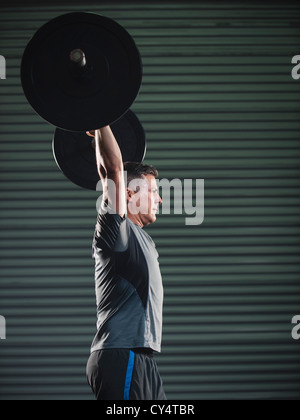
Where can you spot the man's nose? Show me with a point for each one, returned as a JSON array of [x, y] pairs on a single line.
[[159, 199]]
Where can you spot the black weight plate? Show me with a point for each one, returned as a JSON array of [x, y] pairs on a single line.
[[75, 155], [98, 96]]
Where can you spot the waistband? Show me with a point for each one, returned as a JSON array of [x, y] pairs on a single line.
[[144, 351]]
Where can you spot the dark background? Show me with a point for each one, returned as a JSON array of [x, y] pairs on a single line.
[[218, 103]]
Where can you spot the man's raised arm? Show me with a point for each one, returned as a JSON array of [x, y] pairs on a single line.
[[111, 170]]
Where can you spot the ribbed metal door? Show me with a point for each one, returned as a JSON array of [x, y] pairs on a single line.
[[218, 103]]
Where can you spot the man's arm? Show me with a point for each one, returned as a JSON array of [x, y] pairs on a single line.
[[111, 170]]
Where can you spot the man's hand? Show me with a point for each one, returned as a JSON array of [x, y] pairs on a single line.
[[91, 134]]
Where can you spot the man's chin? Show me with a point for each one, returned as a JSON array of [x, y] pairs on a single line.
[[150, 219], [154, 217]]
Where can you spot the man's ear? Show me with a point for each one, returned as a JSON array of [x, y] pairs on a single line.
[[129, 194]]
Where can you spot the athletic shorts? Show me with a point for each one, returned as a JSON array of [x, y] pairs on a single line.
[[124, 375]]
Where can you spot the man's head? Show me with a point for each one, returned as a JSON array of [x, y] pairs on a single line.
[[142, 192]]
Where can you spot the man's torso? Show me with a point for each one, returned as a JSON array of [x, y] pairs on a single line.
[[129, 286]]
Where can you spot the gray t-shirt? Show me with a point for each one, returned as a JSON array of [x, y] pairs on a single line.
[[129, 287]]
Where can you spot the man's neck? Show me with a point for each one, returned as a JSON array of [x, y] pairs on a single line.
[[136, 220]]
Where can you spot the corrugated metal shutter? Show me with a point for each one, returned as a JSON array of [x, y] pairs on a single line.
[[218, 103]]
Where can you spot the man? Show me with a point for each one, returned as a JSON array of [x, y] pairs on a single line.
[[129, 286]]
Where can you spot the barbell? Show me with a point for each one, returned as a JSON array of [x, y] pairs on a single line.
[[81, 72]]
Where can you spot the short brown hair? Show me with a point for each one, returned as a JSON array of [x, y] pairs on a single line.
[[138, 170]]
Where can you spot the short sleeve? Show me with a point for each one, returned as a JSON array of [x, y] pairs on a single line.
[[111, 230]]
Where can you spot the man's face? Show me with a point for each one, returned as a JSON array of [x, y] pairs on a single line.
[[145, 202]]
